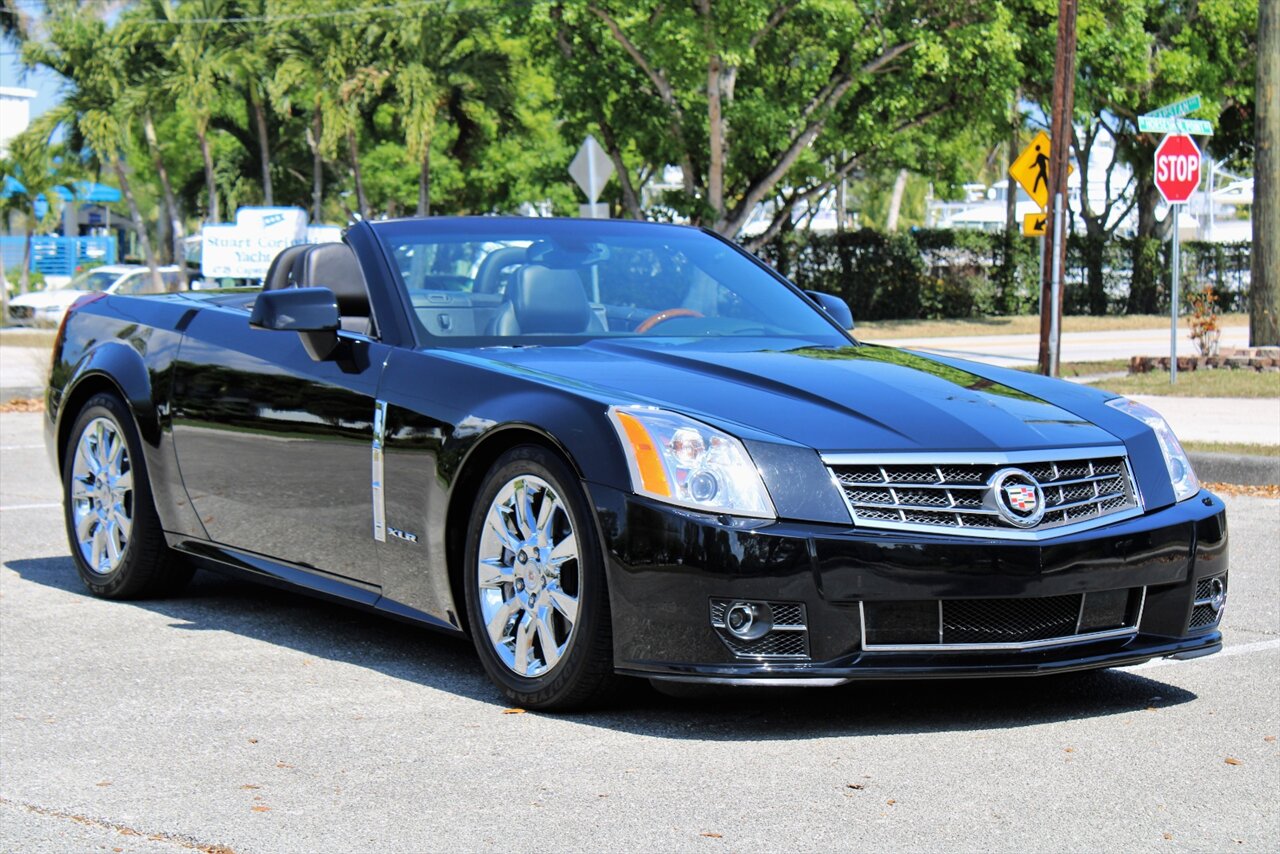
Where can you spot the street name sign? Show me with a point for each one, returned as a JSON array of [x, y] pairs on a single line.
[[1167, 124], [1034, 224], [1177, 168], [1185, 107]]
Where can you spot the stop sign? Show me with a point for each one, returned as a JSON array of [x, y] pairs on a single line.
[[1177, 167]]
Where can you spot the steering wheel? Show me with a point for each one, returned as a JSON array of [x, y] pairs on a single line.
[[665, 315]]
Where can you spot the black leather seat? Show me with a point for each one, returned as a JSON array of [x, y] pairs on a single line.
[[543, 300], [334, 266]]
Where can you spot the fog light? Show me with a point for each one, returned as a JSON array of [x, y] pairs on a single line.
[[1218, 595], [748, 620]]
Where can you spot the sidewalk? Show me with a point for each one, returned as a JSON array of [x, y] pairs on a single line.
[[23, 371], [1013, 351], [1255, 421]]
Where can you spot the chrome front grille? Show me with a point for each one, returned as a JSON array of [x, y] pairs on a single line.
[[957, 492]]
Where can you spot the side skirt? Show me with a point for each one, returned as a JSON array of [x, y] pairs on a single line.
[[285, 576]]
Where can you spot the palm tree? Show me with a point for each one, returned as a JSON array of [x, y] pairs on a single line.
[[147, 92], [90, 58], [197, 59], [350, 78], [450, 65], [29, 164]]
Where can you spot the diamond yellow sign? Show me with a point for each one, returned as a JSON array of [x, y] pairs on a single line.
[[1031, 170], [1033, 225]]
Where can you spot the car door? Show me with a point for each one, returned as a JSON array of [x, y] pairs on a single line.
[[274, 446]]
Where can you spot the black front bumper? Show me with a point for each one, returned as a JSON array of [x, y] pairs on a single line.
[[666, 568]]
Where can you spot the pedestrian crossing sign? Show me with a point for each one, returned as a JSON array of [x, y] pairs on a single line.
[[1033, 225], [1031, 170]]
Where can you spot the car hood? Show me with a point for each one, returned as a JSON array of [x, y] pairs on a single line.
[[60, 298], [851, 398]]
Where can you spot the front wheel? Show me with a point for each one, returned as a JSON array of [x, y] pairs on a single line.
[[116, 540], [535, 586]]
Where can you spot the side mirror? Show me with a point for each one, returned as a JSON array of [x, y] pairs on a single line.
[[310, 312], [837, 308]]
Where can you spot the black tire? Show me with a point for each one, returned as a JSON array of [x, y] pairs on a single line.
[[146, 567], [583, 675]]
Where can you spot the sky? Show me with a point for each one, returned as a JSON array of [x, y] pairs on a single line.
[[12, 73]]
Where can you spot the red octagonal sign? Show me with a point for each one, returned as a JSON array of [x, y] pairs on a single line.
[[1177, 168]]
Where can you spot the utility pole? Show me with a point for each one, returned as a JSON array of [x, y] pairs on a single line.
[[1064, 80], [1264, 289]]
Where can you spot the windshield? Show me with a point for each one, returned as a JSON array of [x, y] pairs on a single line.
[[93, 280], [490, 281]]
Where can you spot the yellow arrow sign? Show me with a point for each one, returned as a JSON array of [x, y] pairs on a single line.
[[1033, 225]]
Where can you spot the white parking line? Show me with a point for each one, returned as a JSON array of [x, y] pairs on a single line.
[[31, 506], [1242, 649], [19, 447]]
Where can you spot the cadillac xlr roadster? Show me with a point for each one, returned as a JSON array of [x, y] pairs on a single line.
[[608, 449]]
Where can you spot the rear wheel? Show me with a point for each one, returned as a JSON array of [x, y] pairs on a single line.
[[116, 540], [535, 588]]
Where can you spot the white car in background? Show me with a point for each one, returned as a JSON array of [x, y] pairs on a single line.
[[46, 308]]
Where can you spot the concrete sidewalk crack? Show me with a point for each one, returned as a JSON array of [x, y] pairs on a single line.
[[123, 830]]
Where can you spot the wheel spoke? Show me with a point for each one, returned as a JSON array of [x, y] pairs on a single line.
[[122, 522], [499, 526], [522, 510], [85, 454], [115, 453], [80, 490], [564, 551], [95, 554], [498, 622], [84, 526], [113, 546], [564, 603], [524, 644], [545, 514], [100, 443], [547, 638], [123, 482], [495, 573]]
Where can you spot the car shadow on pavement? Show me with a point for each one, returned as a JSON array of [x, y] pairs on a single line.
[[340, 633]]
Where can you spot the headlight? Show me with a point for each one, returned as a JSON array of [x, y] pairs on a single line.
[[1185, 482], [681, 461]]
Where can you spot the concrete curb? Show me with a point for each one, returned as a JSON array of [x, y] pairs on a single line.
[[1241, 469], [8, 393]]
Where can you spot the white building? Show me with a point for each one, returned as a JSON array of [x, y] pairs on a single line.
[[15, 113]]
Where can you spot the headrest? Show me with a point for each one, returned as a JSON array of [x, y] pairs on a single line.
[[281, 266], [547, 300], [334, 266]]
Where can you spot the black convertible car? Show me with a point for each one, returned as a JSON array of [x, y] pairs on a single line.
[[612, 448]]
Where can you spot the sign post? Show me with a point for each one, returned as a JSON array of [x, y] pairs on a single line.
[[1177, 175], [591, 168], [1031, 170]]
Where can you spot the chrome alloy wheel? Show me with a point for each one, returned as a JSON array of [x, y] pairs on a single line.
[[528, 576], [102, 495]]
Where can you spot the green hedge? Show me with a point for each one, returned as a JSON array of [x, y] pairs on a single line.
[[935, 273]]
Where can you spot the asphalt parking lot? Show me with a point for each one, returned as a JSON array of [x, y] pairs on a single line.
[[238, 718]]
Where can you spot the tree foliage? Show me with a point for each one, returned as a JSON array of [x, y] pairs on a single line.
[[369, 108]]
